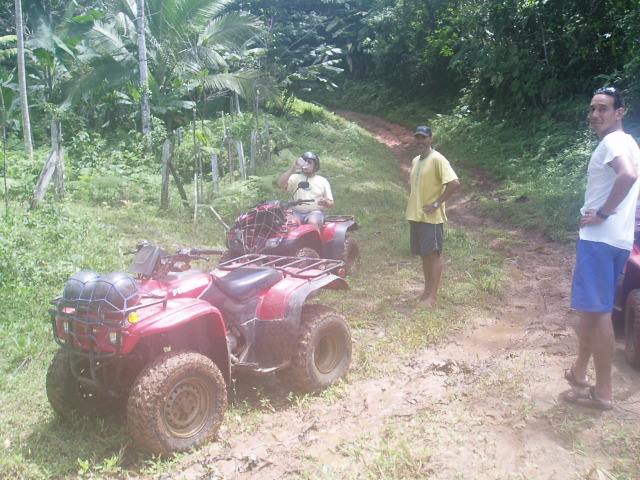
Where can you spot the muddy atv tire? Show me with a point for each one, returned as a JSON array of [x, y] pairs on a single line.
[[351, 256], [70, 398], [632, 329], [323, 354], [306, 252], [176, 403]]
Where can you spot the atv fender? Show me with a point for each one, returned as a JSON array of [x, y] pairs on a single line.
[[334, 235], [285, 300], [304, 235], [189, 323]]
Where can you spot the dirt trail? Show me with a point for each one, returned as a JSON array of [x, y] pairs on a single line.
[[492, 393]]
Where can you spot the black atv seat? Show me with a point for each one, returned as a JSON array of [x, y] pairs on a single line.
[[246, 282]]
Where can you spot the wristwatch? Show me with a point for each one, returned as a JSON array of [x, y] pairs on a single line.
[[436, 204], [602, 215]]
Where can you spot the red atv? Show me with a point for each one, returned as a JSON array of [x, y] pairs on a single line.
[[168, 339], [627, 301], [273, 228]]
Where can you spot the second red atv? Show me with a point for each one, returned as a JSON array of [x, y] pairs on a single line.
[[168, 339], [273, 228], [626, 304]]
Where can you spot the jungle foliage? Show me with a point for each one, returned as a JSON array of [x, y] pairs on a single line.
[[506, 58]]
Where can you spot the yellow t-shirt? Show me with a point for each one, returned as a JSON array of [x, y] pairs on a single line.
[[429, 177]]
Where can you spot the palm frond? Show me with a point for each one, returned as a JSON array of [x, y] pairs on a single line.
[[245, 83], [231, 31], [105, 39]]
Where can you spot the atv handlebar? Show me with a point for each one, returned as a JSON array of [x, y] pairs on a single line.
[[293, 203], [153, 261], [206, 251], [194, 253]]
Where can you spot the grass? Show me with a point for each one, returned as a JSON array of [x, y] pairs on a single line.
[[41, 249]]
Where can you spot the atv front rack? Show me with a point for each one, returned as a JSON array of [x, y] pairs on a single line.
[[299, 267], [89, 330]]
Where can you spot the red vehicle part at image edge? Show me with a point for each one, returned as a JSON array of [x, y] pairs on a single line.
[[626, 313]]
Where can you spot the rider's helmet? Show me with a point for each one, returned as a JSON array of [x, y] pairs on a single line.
[[315, 158]]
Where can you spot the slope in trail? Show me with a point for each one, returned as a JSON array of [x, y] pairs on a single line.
[[488, 401]]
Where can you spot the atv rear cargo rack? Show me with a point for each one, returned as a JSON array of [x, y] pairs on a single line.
[[299, 267]]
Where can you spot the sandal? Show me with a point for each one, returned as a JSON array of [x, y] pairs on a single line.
[[587, 398], [570, 377]]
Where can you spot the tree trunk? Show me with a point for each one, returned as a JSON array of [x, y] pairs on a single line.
[[22, 82], [4, 152], [144, 73]]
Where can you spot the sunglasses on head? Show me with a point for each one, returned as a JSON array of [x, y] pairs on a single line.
[[611, 91]]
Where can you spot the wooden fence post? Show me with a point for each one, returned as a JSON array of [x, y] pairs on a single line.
[[253, 151], [196, 197], [176, 177], [267, 138], [215, 177], [241, 161], [56, 143], [43, 181], [164, 196]]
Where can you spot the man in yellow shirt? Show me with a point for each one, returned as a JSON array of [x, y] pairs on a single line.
[[432, 182]]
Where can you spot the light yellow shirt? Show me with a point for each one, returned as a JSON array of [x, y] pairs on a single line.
[[429, 177], [318, 188]]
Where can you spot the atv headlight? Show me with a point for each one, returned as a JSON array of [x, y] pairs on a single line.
[[133, 317], [273, 242]]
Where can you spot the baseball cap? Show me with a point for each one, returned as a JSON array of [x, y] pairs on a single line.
[[423, 130]]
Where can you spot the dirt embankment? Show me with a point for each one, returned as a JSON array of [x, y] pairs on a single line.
[[492, 393]]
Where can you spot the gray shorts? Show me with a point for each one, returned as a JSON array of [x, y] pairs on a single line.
[[306, 216], [425, 238]]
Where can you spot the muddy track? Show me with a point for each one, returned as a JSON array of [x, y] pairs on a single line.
[[489, 399]]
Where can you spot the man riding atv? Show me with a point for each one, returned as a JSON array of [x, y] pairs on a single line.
[[318, 190]]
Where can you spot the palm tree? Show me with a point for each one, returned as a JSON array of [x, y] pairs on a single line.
[[144, 69], [22, 82], [188, 46]]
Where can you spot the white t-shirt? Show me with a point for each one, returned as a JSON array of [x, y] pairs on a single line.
[[618, 229], [318, 187]]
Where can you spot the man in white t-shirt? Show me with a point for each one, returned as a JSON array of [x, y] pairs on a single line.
[[318, 190], [604, 244]]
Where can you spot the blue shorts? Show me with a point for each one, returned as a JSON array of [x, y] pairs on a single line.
[[598, 267], [425, 238]]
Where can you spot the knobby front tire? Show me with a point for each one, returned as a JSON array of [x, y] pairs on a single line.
[[176, 403]]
